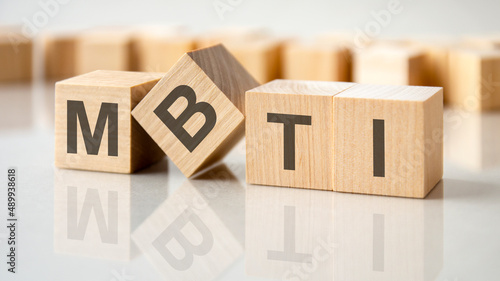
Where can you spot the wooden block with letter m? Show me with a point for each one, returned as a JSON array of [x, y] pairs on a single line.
[[196, 112], [94, 129]]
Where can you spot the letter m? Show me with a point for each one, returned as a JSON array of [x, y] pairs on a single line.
[[108, 111]]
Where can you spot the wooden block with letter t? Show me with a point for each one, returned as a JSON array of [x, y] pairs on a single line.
[[388, 140], [289, 133], [196, 112], [94, 129]]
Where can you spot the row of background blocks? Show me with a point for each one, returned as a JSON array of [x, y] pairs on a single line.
[[320, 135], [468, 70]]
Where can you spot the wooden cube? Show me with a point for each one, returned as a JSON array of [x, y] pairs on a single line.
[[289, 133], [474, 83], [159, 49], [196, 112], [380, 238], [487, 41], [16, 57], [89, 104], [388, 65], [60, 55], [194, 234], [388, 140], [315, 61], [105, 49]]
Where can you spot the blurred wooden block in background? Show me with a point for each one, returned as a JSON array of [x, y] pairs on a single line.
[[16, 56], [257, 50], [105, 49], [60, 54], [196, 112], [316, 61], [94, 129], [474, 79], [488, 41], [388, 140], [158, 49], [289, 133], [389, 65]]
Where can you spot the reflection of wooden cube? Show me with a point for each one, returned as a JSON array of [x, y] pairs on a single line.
[[196, 112], [321, 62], [60, 55], [474, 79], [159, 49], [472, 142], [106, 49], [380, 238], [288, 232], [94, 129], [388, 140], [388, 65], [15, 55], [197, 233], [92, 215], [289, 133]]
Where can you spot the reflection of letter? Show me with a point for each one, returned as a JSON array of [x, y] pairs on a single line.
[[78, 228], [174, 231], [378, 242], [288, 254]]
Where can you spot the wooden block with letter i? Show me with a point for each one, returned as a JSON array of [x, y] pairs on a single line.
[[289, 133], [388, 140], [196, 112], [94, 129]]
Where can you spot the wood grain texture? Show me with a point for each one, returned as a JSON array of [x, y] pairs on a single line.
[[105, 49], [159, 49], [135, 148], [217, 79], [60, 55], [316, 61], [313, 144], [413, 139], [389, 65], [16, 56], [474, 83]]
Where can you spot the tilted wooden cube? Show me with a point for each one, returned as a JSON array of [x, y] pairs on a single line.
[[289, 133], [196, 112], [388, 140], [316, 61], [390, 65], [94, 129], [474, 80], [15, 55]]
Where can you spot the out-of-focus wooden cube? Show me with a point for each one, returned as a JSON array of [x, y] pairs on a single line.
[[60, 54], [474, 79], [316, 61], [16, 56], [389, 65], [158, 49]]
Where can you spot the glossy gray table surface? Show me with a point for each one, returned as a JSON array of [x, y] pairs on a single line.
[[158, 225]]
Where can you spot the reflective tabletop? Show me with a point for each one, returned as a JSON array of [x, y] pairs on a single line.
[[158, 225]]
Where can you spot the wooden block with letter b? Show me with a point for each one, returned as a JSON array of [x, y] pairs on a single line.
[[94, 129], [196, 112], [289, 133], [388, 140]]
